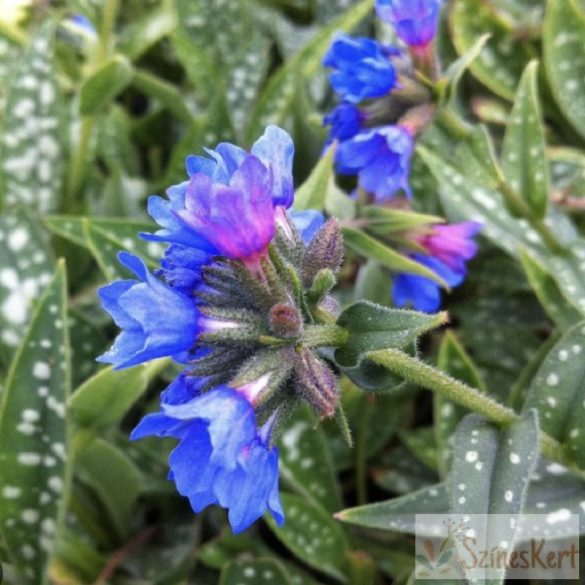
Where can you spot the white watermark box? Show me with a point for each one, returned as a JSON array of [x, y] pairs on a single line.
[[486, 546]]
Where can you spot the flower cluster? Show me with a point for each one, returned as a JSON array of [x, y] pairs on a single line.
[[242, 283], [383, 108], [377, 86]]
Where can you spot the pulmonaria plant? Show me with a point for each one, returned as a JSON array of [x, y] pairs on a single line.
[[242, 301]]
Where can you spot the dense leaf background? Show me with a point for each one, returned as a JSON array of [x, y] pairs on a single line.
[[95, 118]]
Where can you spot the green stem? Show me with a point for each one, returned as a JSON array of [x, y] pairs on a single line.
[[415, 371], [324, 336]]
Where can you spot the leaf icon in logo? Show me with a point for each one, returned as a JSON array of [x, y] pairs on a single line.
[[445, 558]]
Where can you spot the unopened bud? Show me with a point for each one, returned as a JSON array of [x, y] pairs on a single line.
[[316, 383], [285, 321], [324, 251]]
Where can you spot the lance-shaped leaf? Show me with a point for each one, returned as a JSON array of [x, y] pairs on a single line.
[[564, 57], [103, 86], [558, 392], [454, 360], [254, 572], [115, 481], [99, 403], [34, 437], [502, 60], [398, 515], [490, 476], [557, 307], [311, 194], [467, 198], [26, 267], [31, 144], [306, 464], [312, 536], [524, 151], [371, 248]]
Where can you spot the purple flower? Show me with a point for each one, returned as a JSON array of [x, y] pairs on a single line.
[[415, 21], [227, 207], [380, 158], [222, 457], [362, 68], [155, 319], [449, 248], [237, 218], [345, 121], [452, 244]]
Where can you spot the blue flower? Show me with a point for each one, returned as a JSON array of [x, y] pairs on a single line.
[[181, 267], [362, 68], [345, 121], [155, 319], [222, 457], [380, 158], [307, 222], [423, 293], [415, 21]]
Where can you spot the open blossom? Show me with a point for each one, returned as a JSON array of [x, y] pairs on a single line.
[[361, 68], [230, 184], [222, 457], [381, 159], [449, 247], [155, 319], [415, 21]]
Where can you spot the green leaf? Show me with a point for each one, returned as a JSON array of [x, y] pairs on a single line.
[[421, 442], [104, 85], [275, 103], [454, 360], [26, 267], [372, 284], [371, 327], [466, 198], [558, 392], [312, 536], [114, 479], [306, 464], [564, 57], [398, 515], [369, 247], [31, 145], [383, 220], [254, 572], [148, 30], [34, 437], [311, 194], [490, 475], [502, 61], [100, 403], [456, 70], [557, 307], [105, 237], [524, 150]]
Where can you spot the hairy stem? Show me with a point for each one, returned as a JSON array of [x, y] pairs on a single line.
[[417, 372]]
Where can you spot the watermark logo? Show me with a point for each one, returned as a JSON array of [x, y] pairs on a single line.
[[480, 546]]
